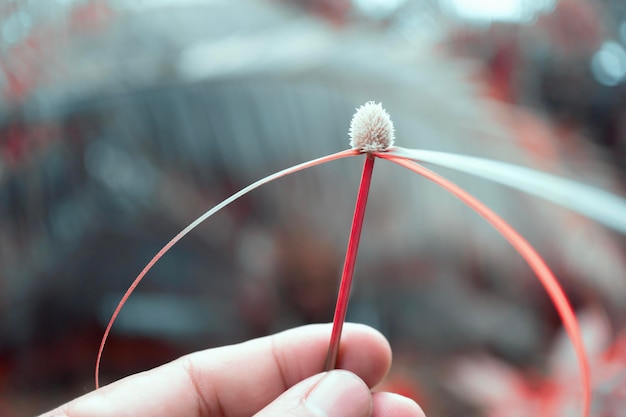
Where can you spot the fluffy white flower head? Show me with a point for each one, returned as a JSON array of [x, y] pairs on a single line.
[[371, 128]]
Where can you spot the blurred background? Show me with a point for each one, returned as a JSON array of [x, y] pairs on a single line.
[[121, 121]]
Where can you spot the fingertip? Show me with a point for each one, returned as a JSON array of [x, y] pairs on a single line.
[[369, 333], [336, 393], [340, 394], [365, 351], [390, 404]]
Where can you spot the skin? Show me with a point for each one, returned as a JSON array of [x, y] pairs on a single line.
[[269, 376]]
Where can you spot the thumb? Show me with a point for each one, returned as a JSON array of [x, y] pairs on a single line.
[[332, 394]]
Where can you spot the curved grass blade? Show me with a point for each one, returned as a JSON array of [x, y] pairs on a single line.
[[596, 204], [195, 223], [537, 264]]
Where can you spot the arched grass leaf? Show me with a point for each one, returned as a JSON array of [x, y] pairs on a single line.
[[537, 264], [195, 223], [598, 205]]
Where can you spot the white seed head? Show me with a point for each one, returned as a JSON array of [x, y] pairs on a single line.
[[371, 128]]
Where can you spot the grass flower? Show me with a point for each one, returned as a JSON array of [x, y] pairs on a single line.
[[372, 136]]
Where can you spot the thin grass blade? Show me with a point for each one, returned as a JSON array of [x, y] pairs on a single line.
[[195, 223], [530, 255], [598, 205]]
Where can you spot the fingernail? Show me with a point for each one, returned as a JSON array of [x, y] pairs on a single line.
[[340, 394]]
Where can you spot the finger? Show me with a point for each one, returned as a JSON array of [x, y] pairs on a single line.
[[388, 404], [236, 380], [332, 394]]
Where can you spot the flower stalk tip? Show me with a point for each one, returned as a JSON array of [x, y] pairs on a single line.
[[371, 128]]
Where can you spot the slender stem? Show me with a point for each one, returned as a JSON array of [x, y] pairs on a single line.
[[348, 266]]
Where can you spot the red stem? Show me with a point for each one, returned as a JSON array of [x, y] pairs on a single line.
[[348, 266]]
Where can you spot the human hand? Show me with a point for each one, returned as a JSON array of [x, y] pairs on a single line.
[[272, 376]]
